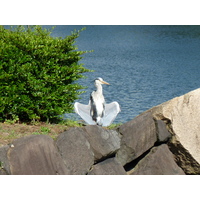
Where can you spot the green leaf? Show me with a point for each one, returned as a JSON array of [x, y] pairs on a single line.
[[38, 73]]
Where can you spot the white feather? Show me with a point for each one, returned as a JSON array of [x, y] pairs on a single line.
[[97, 112]]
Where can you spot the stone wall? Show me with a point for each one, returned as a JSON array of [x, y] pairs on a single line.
[[163, 140]]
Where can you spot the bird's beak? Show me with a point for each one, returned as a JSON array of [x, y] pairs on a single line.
[[104, 82]]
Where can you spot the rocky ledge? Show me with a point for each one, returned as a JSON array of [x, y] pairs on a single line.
[[163, 140]]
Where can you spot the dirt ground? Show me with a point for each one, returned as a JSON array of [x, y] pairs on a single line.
[[9, 132]]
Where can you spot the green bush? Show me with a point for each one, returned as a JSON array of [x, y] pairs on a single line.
[[38, 74]]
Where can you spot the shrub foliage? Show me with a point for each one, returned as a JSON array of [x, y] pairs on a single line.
[[38, 74]]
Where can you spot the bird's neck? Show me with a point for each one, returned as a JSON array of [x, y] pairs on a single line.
[[99, 89]]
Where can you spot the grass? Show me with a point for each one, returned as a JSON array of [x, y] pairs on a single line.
[[10, 130]]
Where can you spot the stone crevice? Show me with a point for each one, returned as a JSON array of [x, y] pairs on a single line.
[[183, 158], [130, 166]]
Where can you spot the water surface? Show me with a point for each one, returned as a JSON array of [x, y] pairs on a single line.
[[145, 65]]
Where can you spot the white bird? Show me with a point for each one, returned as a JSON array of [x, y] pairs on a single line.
[[97, 111]]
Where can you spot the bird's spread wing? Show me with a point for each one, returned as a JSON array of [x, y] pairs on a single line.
[[84, 112], [111, 111]]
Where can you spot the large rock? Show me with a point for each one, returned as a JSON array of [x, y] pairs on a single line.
[[35, 155], [138, 135], [159, 161], [182, 115], [103, 142], [108, 167], [4, 163], [75, 151]]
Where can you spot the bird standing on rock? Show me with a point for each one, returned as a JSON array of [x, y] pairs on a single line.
[[97, 112]]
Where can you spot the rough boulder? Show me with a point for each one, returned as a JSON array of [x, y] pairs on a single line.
[[163, 140], [181, 115]]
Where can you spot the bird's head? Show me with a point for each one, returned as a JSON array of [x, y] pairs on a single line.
[[100, 81]]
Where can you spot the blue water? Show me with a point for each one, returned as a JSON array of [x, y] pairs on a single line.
[[145, 65]]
